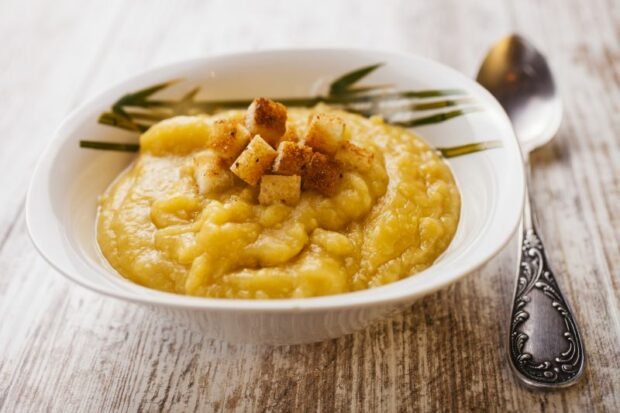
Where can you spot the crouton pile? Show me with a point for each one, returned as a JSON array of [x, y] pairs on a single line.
[[261, 151]]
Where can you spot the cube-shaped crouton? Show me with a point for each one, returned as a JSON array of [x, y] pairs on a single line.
[[228, 138], [279, 188], [267, 119], [325, 133], [254, 161], [210, 172], [292, 158], [351, 156], [322, 174]]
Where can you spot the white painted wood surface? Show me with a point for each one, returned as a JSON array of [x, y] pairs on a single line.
[[65, 349]]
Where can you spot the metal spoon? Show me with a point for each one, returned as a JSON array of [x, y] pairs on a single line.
[[546, 350]]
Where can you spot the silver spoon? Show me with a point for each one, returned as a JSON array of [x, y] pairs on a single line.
[[546, 350]]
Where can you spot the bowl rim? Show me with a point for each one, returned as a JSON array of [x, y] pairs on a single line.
[[378, 296]]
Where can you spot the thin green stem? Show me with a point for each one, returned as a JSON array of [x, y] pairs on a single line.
[[439, 117], [469, 148], [118, 121], [110, 146]]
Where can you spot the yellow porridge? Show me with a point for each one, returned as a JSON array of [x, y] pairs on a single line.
[[277, 203]]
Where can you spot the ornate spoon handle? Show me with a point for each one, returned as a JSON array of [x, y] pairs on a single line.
[[546, 350]]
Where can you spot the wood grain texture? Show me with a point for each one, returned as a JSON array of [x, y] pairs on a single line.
[[65, 349]]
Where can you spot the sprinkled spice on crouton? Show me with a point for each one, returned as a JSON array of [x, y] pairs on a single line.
[[266, 118], [322, 174], [325, 133], [279, 188], [351, 156], [210, 172], [292, 158], [229, 138], [254, 161]]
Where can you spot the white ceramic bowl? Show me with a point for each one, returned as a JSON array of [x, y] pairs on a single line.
[[62, 198]]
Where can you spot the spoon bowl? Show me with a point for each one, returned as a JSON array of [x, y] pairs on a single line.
[[518, 75]]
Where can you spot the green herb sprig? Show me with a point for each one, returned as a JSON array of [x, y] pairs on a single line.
[[138, 111]]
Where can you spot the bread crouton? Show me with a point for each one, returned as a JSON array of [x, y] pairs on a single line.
[[325, 133], [278, 188], [292, 158], [266, 118], [351, 156], [322, 174], [210, 172], [228, 138], [254, 161]]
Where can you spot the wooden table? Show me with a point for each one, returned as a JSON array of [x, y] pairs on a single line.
[[65, 349]]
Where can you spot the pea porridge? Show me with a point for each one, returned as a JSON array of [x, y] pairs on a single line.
[[277, 202]]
